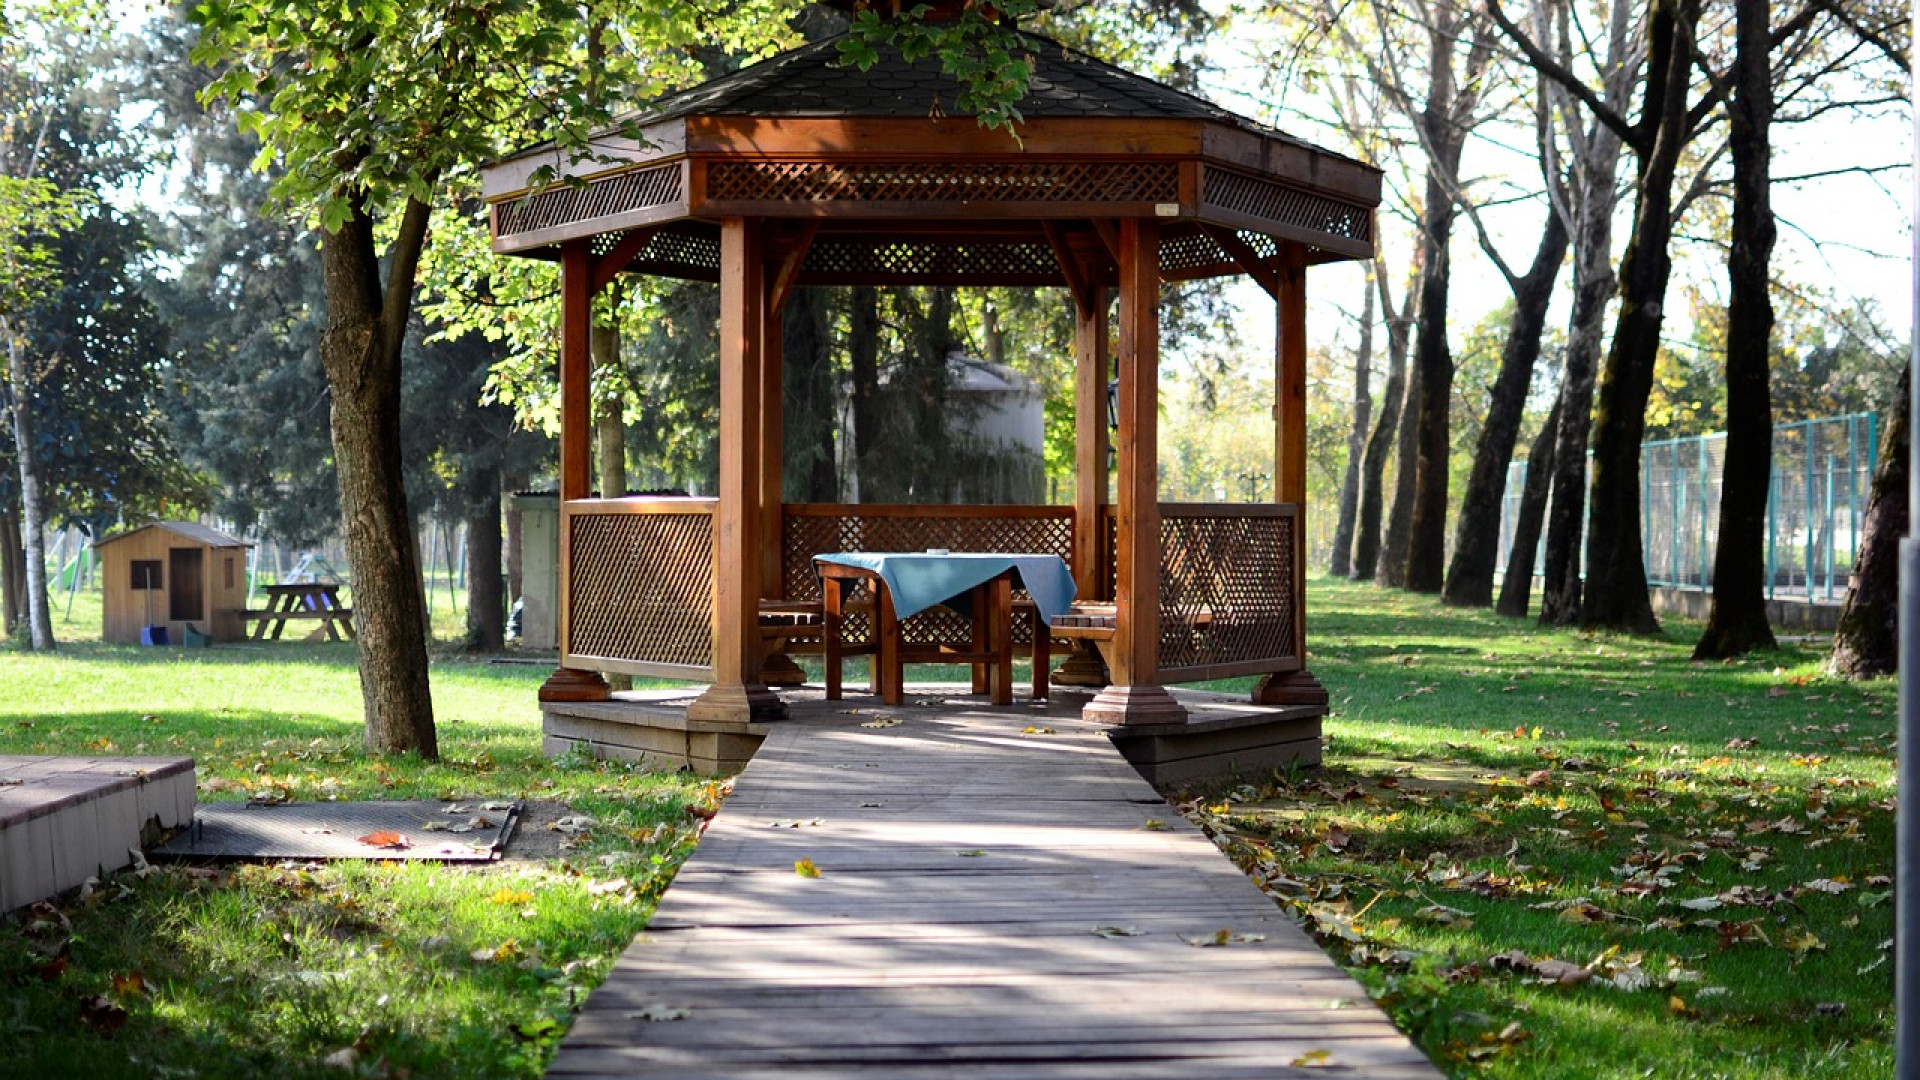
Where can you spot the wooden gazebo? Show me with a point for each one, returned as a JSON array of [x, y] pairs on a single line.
[[799, 172]]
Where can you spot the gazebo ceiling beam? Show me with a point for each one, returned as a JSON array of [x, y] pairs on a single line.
[[1078, 282], [620, 256], [1248, 259], [788, 274]]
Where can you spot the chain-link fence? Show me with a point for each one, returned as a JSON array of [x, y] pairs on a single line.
[[1822, 472]]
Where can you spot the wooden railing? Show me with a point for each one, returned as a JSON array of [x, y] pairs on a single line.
[[1228, 590], [639, 586]]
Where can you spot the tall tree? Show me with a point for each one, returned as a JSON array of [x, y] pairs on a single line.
[[1737, 619], [1341, 564], [1469, 580], [1616, 595], [1516, 587], [1866, 643], [1380, 446]]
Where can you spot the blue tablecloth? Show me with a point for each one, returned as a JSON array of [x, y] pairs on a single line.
[[919, 580]]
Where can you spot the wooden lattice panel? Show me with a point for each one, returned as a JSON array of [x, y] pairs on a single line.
[[1197, 250], [943, 182], [810, 530], [832, 261], [561, 204], [1226, 587], [1268, 201], [642, 587]]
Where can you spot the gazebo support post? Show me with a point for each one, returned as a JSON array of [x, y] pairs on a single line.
[[576, 328], [1135, 696], [778, 669], [1092, 368], [738, 693], [1297, 687]]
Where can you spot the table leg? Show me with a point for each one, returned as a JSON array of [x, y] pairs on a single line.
[[888, 671], [833, 604], [1000, 636], [981, 638], [1042, 656]]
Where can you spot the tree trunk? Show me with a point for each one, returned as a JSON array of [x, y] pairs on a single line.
[[1867, 641], [1616, 596], [33, 527], [486, 604], [360, 349], [1593, 285], [1341, 564], [1366, 543], [1516, 587], [13, 573], [610, 423], [1737, 621], [807, 347], [1443, 125], [1393, 547], [863, 363], [1476, 539]]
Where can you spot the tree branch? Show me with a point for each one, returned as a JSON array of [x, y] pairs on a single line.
[[408, 243], [1554, 70]]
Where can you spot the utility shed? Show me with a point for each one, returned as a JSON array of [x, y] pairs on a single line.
[[173, 574]]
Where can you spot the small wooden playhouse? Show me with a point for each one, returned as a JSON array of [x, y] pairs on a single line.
[[173, 574]]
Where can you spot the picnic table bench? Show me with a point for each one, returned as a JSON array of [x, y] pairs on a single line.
[[301, 600]]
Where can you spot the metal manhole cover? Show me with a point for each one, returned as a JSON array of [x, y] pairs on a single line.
[[467, 830]]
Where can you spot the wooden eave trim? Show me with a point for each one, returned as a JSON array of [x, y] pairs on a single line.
[[1341, 246], [588, 228], [715, 210], [511, 177], [1293, 164]]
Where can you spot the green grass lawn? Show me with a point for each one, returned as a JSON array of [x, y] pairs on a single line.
[[250, 971], [1549, 855], [1556, 855]]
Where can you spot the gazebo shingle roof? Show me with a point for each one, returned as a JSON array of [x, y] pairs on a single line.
[[811, 81]]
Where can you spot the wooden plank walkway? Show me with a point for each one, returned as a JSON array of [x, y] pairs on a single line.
[[964, 868]]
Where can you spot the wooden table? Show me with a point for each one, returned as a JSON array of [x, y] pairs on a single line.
[[302, 600], [979, 584], [990, 652]]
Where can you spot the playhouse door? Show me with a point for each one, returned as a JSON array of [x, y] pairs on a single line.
[[186, 585]]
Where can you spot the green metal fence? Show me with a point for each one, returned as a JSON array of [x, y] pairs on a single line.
[[1822, 472]]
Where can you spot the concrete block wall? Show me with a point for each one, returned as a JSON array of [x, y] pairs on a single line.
[[64, 820]]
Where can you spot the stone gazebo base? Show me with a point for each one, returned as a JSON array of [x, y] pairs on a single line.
[[1223, 735]]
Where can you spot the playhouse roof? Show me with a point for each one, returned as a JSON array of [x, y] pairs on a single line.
[[188, 530]]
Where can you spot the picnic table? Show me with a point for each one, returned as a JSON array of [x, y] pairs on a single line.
[[302, 600], [978, 585]]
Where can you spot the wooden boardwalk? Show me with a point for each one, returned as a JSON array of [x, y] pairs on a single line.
[[964, 868]]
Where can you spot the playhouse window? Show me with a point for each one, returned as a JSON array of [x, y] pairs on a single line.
[[146, 574]]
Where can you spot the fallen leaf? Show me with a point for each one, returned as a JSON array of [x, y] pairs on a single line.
[[1312, 1059], [1036, 731], [657, 1013], [102, 1017], [133, 983], [805, 868], [1117, 931], [507, 896], [881, 722], [971, 853], [1154, 825], [386, 838]]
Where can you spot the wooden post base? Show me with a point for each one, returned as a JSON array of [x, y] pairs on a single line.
[[737, 703], [1134, 705], [1082, 667], [780, 670], [574, 684], [1291, 688]]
